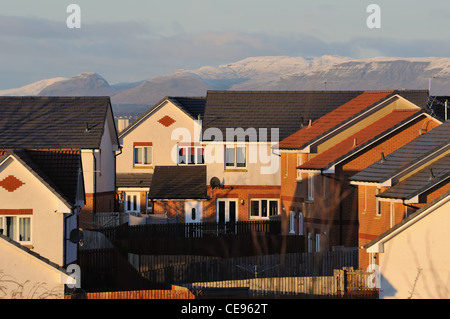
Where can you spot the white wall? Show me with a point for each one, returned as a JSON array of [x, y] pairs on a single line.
[[415, 263], [23, 276], [152, 131], [48, 211]]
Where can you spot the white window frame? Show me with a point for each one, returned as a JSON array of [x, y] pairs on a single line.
[[16, 230], [378, 203], [299, 163], [188, 152], [136, 163], [136, 204], [227, 208], [300, 223], [260, 200], [292, 223], [311, 186], [317, 243], [392, 214], [235, 164]]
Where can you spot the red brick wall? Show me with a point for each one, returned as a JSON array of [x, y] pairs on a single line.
[[243, 194]]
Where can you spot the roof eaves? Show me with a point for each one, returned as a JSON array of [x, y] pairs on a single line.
[[40, 175]]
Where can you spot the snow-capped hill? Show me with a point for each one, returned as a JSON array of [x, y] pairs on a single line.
[[87, 83], [31, 89]]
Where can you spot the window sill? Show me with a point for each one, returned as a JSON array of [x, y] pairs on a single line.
[[377, 217], [143, 167], [235, 170]]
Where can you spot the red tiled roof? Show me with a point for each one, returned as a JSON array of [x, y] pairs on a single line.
[[351, 143], [333, 118]]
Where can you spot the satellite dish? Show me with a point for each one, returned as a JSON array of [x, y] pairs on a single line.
[[76, 236], [214, 182]]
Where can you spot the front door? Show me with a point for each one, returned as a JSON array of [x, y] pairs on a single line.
[[193, 211]]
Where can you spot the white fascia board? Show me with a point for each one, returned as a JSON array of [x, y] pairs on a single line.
[[316, 171], [391, 200], [133, 189]]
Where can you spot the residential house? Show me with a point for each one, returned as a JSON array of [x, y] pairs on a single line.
[[84, 124], [180, 192], [400, 184], [318, 159], [239, 130], [24, 274], [168, 134], [413, 255], [42, 193]]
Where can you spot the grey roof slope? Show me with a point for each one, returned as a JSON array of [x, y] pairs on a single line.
[[59, 171], [178, 182], [421, 181], [133, 179], [284, 110], [195, 106], [33, 253], [52, 122], [406, 156]]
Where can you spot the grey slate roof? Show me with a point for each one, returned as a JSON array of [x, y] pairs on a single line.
[[33, 253], [423, 180], [52, 122], [178, 182], [406, 156], [195, 106], [285, 110], [133, 179], [59, 171]]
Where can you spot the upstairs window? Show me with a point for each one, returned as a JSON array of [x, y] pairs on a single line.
[[143, 155], [235, 156], [191, 155], [17, 228]]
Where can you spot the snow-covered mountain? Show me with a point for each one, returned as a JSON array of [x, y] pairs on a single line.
[[258, 73]]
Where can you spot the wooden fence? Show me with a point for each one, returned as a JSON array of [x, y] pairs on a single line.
[[191, 230], [189, 269], [135, 294]]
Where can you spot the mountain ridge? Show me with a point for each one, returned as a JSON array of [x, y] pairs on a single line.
[[257, 73]]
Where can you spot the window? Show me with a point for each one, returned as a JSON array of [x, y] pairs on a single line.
[[378, 203], [299, 163], [263, 208], [17, 228], [317, 243], [310, 186], [300, 223], [235, 156], [292, 221], [191, 155], [392, 215], [143, 155]]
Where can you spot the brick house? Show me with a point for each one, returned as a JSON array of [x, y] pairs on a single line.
[[318, 160], [83, 124], [166, 135], [240, 129], [400, 184]]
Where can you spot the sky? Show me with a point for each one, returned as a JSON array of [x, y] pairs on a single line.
[[133, 40]]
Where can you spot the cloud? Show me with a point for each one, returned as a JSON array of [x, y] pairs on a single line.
[[34, 48]]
